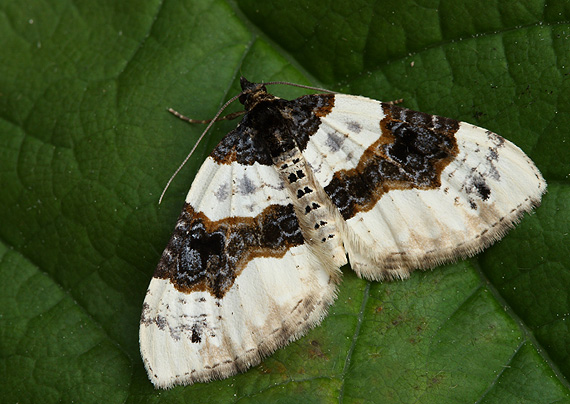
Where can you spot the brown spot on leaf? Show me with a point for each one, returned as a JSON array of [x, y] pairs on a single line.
[[316, 351]]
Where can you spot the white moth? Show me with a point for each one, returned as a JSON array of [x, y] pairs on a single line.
[[254, 261]]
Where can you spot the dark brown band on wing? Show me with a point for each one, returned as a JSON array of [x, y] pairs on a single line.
[[205, 255], [412, 152], [267, 124]]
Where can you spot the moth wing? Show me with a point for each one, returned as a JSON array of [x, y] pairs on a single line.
[[417, 190], [236, 281]]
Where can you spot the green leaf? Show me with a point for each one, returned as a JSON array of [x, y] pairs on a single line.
[[86, 147]]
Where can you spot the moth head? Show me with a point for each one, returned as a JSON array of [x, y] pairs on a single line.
[[253, 93]]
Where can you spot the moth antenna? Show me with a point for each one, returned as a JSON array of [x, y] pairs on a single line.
[[235, 97], [228, 117], [300, 85]]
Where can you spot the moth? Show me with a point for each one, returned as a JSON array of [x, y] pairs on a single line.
[[296, 191]]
